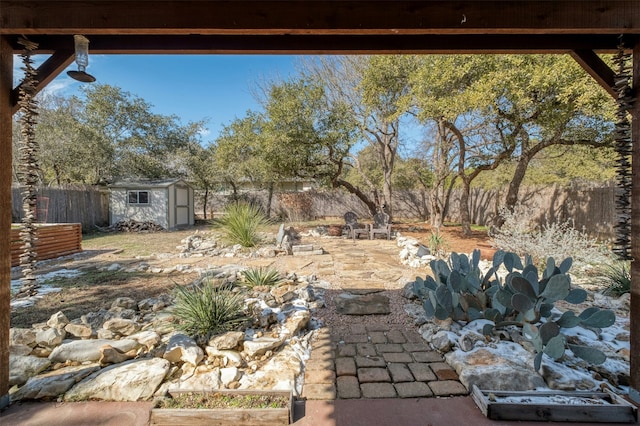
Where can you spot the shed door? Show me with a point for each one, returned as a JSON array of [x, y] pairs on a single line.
[[182, 206]]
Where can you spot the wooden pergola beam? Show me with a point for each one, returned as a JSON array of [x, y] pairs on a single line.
[[388, 17], [597, 68], [331, 44], [46, 72]]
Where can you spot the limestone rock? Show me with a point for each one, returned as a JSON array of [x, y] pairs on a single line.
[[124, 302], [279, 373], [148, 338], [284, 293], [111, 355], [88, 350], [133, 380], [121, 326], [511, 369], [296, 322], [201, 377], [58, 320], [51, 337], [22, 336], [468, 340], [82, 331], [416, 312], [229, 358], [229, 340], [260, 346], [561, 377], [20, 350], [53, 383], [96, 319], [367, 304], [229, 374], [21, 368], [443, 340], [182, 348]]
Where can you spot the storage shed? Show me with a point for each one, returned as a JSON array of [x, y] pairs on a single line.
[[166, 202]]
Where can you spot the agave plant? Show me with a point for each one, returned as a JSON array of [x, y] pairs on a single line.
[[242, 223], [206, 309], [459, 290]]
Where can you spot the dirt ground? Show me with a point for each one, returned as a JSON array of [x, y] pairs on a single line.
[[95, 289]]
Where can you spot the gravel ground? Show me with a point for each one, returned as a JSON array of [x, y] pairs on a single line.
[[342, 323]]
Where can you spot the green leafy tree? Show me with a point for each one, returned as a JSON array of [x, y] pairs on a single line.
[[124, 139], [200, 168], [541, 101], [450, 92], [375, 89]]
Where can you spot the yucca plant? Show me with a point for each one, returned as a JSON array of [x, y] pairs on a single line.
[[437, 244], [261, 277], [616, 278], [206, 309], [242, 224]]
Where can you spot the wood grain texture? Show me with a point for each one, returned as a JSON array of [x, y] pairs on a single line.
[[6, 83]]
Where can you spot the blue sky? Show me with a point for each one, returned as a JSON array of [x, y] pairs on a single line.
[[217, 88]]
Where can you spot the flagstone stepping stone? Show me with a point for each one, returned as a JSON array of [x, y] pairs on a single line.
[[368, 304]]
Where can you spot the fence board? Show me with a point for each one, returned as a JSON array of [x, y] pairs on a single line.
[[590, 208], [87, 205]]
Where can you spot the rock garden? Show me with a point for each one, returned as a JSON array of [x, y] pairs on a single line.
[[232, 317]]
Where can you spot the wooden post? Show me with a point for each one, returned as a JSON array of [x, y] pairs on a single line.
[[634, 390], [6, 84]]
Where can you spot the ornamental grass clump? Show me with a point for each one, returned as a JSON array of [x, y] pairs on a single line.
[[261, 277], [615, 278], [206, 309], [242, 223]]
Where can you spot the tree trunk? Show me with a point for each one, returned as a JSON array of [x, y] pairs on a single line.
[[205, 201], [269, 199], [371, 205], [465, 217], [514, 186]]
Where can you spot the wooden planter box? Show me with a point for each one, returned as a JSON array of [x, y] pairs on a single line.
[[225, 416], [54, 240], [595, 407]]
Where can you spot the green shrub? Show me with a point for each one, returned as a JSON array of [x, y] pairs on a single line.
[[461, 291], [242, 223], [616, 278], [261, 277], [206, 309]]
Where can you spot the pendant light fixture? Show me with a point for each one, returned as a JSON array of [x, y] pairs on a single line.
[[82, 59]]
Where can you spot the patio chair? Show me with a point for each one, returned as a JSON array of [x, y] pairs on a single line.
[[380, 225], [355, 228]]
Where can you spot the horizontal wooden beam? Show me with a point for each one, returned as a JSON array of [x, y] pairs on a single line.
[[330, 44], [319, 17]]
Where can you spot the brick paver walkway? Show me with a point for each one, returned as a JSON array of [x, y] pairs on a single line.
[[378, 361]]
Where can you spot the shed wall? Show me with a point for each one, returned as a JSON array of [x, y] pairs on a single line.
[[155, 212]]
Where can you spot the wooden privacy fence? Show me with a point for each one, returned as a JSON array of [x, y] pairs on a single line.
[[87, 205], [589, 207], [54, 240]]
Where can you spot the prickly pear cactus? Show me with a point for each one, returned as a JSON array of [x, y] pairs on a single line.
[[459, 290]]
